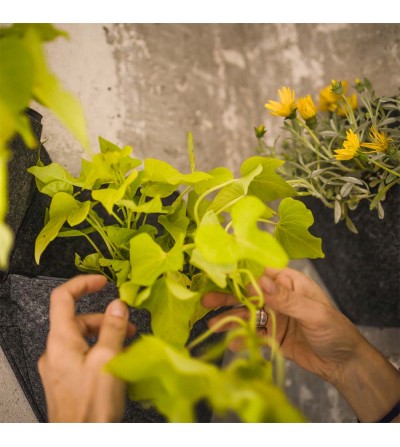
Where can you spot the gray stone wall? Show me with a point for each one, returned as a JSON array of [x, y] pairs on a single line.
[[146, 85]]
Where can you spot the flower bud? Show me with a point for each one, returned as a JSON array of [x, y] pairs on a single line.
[[260, 131], [337, 87]]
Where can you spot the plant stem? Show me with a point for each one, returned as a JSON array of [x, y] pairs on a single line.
[[97, 226], [384, 167], [205, 194], [116, 217], [215, 328], [93, 244]]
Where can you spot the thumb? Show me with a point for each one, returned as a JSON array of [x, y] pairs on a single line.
[[114, 327], [282, 299]]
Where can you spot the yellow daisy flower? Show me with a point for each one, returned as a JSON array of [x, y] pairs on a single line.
[[350, 147], [352, 100], [306, 107], [379, 141], [287, 105], [328, 100]]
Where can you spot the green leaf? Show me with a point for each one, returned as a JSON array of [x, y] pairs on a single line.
[[248, 392], [233, 192], [168, 378], [268, 185], [121, 268], [128, 293], [152, 206], [219, 176], [90, 264], [159, 171], [176, 224], [248, 242], [6, 244], [120, 236], [63, 208], [48, 234], [149, 261], [16, 82], [69, 232], [48, 91], [108, 197], [191, 202], [218, 273], [164, 376], [171, 306], [16, 74], [53, 178], [45, 31], [292, 230], [253, 243], [214, 243]]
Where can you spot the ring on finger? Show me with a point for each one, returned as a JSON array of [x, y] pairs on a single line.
[[262, 318]]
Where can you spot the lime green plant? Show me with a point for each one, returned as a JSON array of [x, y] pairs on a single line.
[[338, 151], [214, 237], [24, 77]]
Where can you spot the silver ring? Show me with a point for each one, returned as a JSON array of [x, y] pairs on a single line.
[[262, 318]]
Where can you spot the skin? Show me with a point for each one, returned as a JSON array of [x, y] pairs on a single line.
[[310, 332], [320, 339], [76, 387]]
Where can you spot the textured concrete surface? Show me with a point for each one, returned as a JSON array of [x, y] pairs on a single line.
[[146, 85], [14, 406]]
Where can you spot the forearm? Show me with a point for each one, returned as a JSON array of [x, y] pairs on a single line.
[[370, 384]]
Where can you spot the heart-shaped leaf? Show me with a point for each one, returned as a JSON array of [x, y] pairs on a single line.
[[149, 260], [267, 185], [292, 230]]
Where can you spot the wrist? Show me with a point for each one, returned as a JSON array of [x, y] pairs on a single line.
[[369, 383]]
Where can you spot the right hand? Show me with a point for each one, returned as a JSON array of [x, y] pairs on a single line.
[[310, 330]]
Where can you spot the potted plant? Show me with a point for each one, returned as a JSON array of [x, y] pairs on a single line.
[[344, 160], [210, 235]]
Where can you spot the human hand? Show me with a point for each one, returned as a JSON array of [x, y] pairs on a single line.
[[314, 334], [76, 387], [309, 330]]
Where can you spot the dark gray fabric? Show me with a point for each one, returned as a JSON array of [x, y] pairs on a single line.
[[24, 324], [24, 327], [21, 184], [361, 271]]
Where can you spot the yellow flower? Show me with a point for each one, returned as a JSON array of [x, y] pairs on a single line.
[[287, 105], [380, 141], [306, 107], [350, 148], [352, 100], [328, 100]]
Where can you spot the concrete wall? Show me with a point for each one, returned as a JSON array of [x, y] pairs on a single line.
[[146, 85]]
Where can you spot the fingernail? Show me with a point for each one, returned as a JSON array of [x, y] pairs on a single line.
[[268, 285], [117, 309]]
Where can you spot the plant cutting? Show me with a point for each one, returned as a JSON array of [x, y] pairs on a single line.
[[215, 236], [337, 151]]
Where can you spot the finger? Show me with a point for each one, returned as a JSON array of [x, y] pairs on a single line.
[[282, 299], [114, 326], [212, 300], [64, 297], [89, 325]]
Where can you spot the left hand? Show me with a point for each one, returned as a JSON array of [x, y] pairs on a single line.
[[76, 387]]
